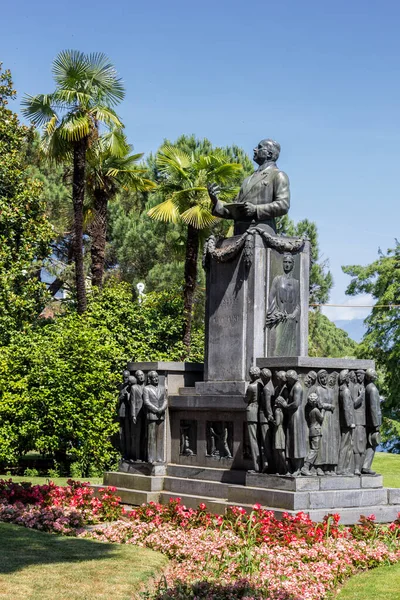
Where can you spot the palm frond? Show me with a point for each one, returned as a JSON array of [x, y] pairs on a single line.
[[74, 97], [226, 171], [107, 116], [38, 109], [104, 77], [198, 216], [165, 211], [70, 67], [56, 147], [114, 142], [173, 160], [74, 127]]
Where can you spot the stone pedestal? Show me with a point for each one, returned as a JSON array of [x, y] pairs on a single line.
[[238, 295]]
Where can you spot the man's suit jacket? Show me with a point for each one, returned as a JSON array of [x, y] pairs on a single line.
[[268, 190], [154, 399], [373, 406]]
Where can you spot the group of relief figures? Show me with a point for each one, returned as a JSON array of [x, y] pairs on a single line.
[[141, 413], [325, 425]]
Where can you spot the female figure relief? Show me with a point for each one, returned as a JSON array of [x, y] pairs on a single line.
[[284, 311]]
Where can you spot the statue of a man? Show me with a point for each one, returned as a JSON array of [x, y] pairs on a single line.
[[156, 405], [373, 419], [124, 415], [252, 400], [138, 450], [263, 196]]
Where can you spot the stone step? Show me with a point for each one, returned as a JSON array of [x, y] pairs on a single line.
[[198, 487], [349, 516], [302, 484], [207, 473], [133, 497], [187, 391], [289, 500], [134, 481]]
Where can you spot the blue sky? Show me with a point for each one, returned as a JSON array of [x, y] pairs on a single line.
[[323, 78]]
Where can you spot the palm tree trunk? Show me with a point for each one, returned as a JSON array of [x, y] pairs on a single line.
[[98, 232], [192, 252], [78, 196]]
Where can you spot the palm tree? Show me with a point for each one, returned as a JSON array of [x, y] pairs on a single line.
[[183, 180], [87, 87], [111, 168]]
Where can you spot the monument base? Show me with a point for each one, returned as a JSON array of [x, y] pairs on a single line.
[[208, 459], [219, 488]]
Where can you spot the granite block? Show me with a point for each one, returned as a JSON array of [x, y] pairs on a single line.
[[292, 484], [347, 498], [270, 498]]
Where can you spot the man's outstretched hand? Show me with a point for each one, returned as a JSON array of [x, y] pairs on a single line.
[[213, 191]]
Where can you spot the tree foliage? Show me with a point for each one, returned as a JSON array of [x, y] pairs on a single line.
[[381, 342], [25, 232], [87, 89], [325, 339], [58, 382]]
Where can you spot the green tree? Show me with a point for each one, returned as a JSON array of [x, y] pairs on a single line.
[[182, 180], [381, 342], [87, 87], [111, 167], [321, 280], [325, 339], [25, 232], [58, 382]]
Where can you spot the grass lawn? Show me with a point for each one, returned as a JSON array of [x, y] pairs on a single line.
[[41, 566], [44, 480], [383, 582], [389, 466]]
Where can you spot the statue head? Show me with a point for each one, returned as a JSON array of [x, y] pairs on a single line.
[[281, 377], [132, 380], [291, 377], [313, 399], [360, 374], [125, 376], [139, 376], [254, 373], [310, 378], [152, 378], [322, 377], [266, 375], [352, 377], [344, 376], [288, 262], [267, 150], [370, 375]]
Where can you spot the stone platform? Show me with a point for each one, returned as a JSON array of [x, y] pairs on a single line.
[[350, 497]]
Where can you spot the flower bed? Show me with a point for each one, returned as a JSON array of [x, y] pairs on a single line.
[[217, 557]]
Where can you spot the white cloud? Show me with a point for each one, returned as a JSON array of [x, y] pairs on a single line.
[[356, 307]]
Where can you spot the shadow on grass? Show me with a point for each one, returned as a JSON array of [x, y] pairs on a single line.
[[22, 547], [204, 590]]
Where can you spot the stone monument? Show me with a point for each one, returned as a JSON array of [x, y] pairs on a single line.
[[260, 421]]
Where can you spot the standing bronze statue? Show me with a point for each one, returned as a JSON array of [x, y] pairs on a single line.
[[347, 425], [284, 311], [296, 443], [252, 400], [156, 405], [266, 421], [373, 419], [359, 435], [328, 452], [124, 416], [138, 437], [262, 197]]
